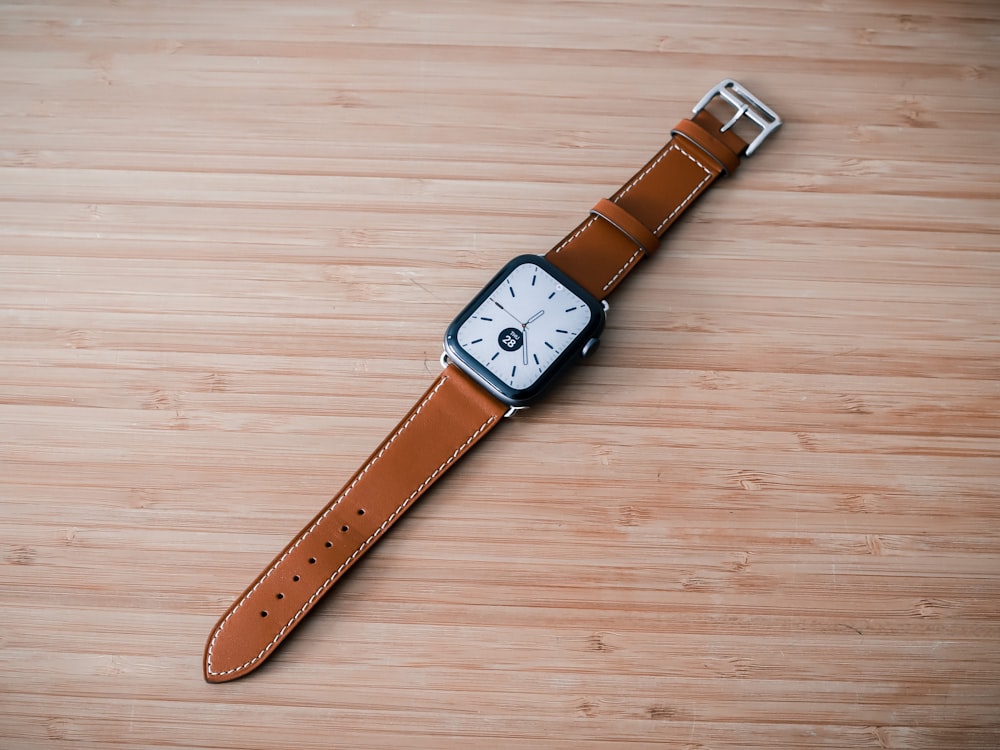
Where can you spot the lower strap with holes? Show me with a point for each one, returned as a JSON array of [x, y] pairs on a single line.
[[449, 419]]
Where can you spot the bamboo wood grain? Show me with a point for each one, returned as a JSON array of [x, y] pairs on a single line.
[[765, 515]]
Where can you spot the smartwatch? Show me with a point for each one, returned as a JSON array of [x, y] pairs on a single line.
[[539, 315], [523, 329]]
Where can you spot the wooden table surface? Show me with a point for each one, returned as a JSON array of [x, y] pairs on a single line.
[[765, 515]]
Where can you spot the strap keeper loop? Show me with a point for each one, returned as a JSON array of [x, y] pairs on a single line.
[[712, 145], [627, 224]]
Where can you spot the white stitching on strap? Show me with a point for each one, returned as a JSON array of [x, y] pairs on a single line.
[[367, 542], [576, 234], [629, 262], [690, 196], [639, 177], [631, 184], [635, 181]]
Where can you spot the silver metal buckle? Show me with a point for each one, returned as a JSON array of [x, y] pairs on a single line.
[[746, 105]]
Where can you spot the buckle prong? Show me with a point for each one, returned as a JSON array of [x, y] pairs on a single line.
[[746, 105], [735, 118]]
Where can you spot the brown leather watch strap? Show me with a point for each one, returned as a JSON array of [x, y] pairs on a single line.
[[602, 250], [448, 420], [456, 412]]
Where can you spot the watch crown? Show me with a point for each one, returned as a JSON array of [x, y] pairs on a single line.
[[589, 348]]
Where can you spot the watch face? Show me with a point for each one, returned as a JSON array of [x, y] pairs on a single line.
[[523, 328]]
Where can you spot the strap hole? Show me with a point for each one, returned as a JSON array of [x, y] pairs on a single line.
[[329, 544], [361, 511], [296, 579], [281, 596], [264, 613], [345, 529], [312, 560]]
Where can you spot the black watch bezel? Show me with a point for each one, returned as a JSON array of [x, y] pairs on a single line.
[[482, 375]]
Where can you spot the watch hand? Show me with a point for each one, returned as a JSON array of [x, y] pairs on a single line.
[[535, 317], [524, 344], [509, 313]]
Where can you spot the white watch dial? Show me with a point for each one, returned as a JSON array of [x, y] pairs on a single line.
[[520, 329]]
